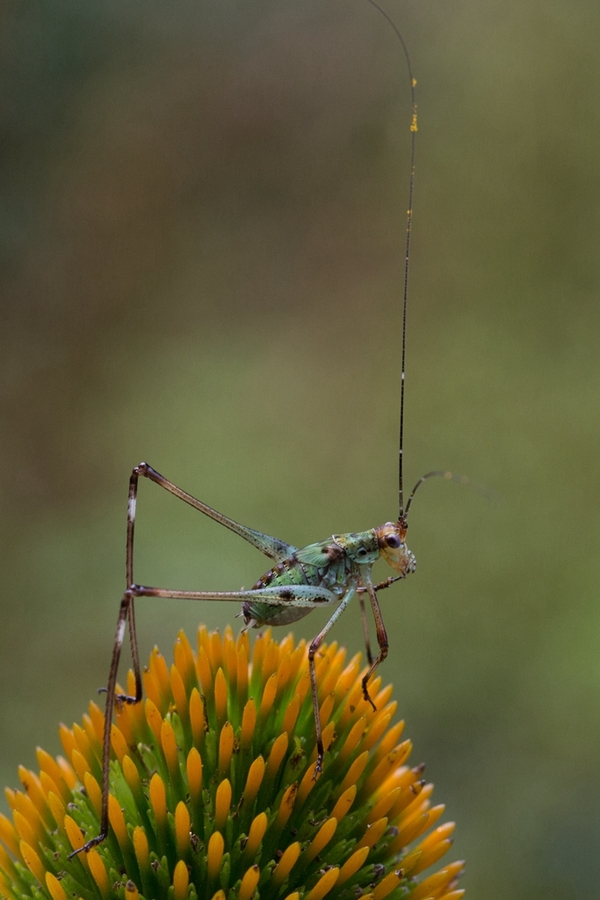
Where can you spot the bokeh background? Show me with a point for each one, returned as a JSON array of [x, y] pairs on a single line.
[[202, 233]]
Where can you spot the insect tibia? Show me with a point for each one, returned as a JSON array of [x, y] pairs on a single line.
[[89, 846], [366, 694]]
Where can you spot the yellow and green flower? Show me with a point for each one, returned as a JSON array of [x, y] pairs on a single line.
[[212, 795]]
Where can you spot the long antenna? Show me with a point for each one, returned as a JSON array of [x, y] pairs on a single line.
[[411, 182]]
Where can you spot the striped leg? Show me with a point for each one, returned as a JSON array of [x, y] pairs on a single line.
[[382, 638]]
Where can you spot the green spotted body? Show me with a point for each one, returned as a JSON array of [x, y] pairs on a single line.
[[335, 566]]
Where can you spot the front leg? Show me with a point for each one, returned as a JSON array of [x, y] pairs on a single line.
[[386, 583], [314, 646], [362, 590], [382, 638]]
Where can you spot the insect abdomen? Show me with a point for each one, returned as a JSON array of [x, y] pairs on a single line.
[[289, 573], [260, 614]]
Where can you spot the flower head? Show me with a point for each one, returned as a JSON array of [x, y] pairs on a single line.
[[213, 795]]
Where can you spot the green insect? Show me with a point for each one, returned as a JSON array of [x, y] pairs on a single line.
[[328, 573]]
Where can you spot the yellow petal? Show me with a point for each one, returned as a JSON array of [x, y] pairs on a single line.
[[248, 724], [226, 743], [322, 838], [353, 739], [323, 885], [158, 800], [153, 718], [291, 716], [182, 829], [254, 779], [344, 803], [268, 697], [276, 755], [132, 777], [184, 659], [179, 692], [75, 837], [286, 863], [306, 785], [249, 882], [98, 872], [256, 834], [353, 864], [392, 760], [181, 880], [383, 806], [141, 848], [169, 745], [32, 861], [354, 772], [118, 742], [223, 796], [220, 696], [197, 717], [431, 884], [194, 775], [117, 821], [286, 806], [214, 854], [55, 887], [242, 668], [386, 885], [373, 833], [93, 791], [9, 835], [431, 856]]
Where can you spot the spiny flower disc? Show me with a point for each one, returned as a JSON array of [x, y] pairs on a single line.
[[212, 790]]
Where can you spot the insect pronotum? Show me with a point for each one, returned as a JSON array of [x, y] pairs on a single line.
[[329, 572]]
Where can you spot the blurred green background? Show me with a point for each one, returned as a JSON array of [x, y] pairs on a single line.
[[202, 234]]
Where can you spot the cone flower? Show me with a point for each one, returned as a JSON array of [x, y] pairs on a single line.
[[212, 790]]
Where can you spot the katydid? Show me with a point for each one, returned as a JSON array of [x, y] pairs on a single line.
[[327, 573]]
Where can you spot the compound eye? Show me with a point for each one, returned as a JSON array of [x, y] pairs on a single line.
[[392, 540]]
